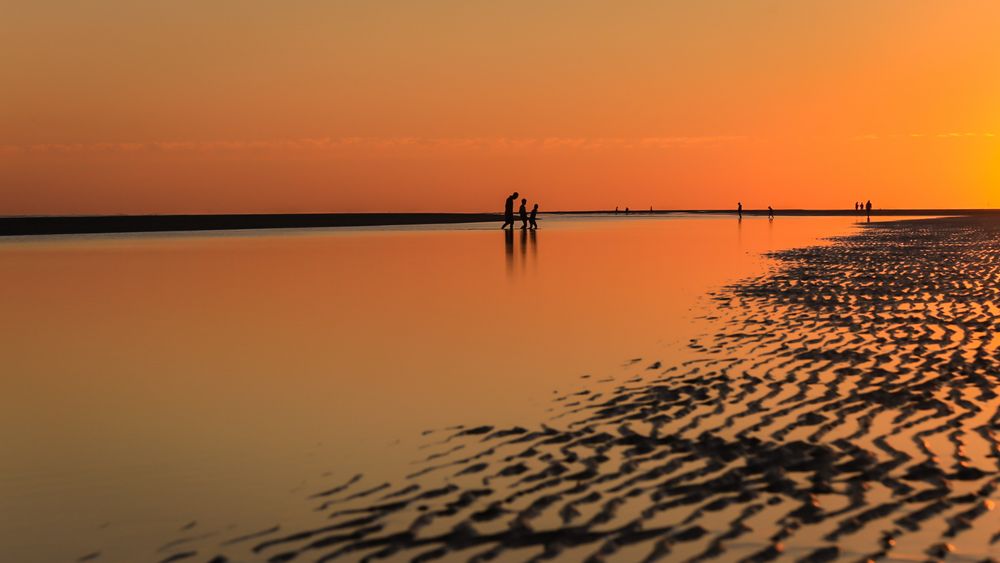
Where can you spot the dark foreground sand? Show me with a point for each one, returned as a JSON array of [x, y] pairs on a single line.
[[843, 408]]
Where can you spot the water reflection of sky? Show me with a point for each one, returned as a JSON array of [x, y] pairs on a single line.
[[155, 379]]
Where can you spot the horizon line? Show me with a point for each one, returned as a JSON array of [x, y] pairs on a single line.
[[728, 210], [108, 224]]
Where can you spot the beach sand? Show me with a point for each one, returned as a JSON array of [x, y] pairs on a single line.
[[842, 406]]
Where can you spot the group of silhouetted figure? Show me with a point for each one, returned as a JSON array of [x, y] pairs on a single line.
[[526, 218], [739, 210], [858, 206], [529, 218], [627, 210]]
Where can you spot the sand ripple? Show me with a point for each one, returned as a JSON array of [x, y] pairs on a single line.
[[844, 408]]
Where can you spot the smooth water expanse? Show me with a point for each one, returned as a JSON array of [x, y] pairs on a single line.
[[167, 386]]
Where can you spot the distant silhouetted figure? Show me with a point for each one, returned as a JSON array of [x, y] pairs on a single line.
[[770, 212], [531, 218], [650, 208], [739, 209], [508, 211], [523, 213], [868, 208], [616, 210], [626, 210]]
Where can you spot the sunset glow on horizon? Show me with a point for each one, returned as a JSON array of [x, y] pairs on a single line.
[[319, 106]]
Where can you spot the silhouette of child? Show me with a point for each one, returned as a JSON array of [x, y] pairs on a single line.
[[523, 212], [534, 211]]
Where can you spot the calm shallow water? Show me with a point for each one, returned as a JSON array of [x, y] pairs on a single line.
[[152, 381]]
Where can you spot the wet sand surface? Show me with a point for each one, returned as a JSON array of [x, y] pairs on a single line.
[[841, 407]]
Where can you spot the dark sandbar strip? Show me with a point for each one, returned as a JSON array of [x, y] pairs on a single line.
[[20, 226]]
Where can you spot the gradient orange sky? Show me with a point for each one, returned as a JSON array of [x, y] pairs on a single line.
[[261, 106]]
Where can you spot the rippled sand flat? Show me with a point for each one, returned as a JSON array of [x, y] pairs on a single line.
[[843, 407]]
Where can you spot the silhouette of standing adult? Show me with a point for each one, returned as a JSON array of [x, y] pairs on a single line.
[[508, 211], [626, 210], [770, 212], [523, 213], [868, 208], [739, 209], [531, 218]]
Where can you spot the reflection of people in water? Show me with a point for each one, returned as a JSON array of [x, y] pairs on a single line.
[[519, 246], [508, 248], [524, 249], [523, 213], [508, 211], [739, 209], [770, 212], [531, 218]]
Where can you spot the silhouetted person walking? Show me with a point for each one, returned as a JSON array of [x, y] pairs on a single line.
[[868, 208], [739, 209], [770, 212], [508, 211], [531, 218], [523, 212]]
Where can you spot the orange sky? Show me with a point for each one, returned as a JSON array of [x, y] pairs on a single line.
[[259, 106]]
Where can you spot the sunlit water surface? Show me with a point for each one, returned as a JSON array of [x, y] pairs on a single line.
[[154, 381]]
